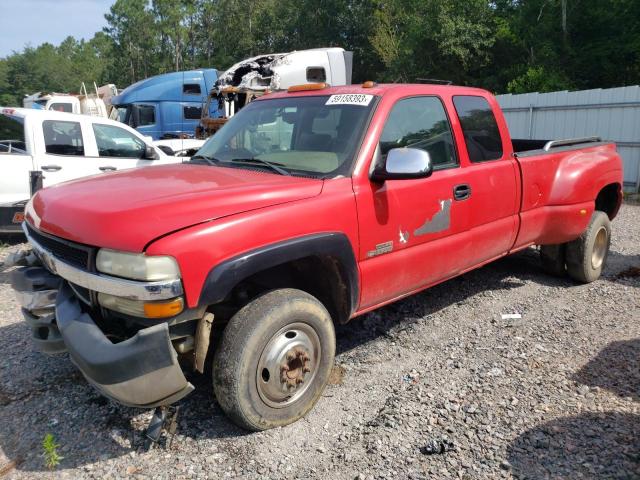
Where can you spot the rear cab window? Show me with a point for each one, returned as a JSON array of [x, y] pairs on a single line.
[[479, 127], [420, 122], [61, 107], [12, 135], [63, 137]]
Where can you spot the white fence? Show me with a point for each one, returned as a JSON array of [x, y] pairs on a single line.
[[612, 114]]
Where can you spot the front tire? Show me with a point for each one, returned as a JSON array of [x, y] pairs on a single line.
[[274, 360], [587, 254]]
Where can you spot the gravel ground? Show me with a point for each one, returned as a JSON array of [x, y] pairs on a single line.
[[435, 386]]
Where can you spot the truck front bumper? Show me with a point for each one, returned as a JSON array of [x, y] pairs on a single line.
[[142, 371]]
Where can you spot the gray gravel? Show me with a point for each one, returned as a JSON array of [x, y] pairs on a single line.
[[435, 386]]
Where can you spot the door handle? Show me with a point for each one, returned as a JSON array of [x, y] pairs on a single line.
[[461, 192], [107, 168], [51, 168]]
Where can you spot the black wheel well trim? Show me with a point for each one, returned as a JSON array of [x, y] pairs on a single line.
[[222, 278], [609, 199]]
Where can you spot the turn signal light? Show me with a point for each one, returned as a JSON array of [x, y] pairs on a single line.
[[139, 308], [369, 84], [307, 86], [163, 309]]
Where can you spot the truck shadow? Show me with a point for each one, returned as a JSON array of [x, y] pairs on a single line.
[[616, 368], [623, 268], [591, 445], [508, 273]]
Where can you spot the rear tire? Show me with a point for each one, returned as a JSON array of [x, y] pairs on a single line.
[[274, 360], [586, 256], [553, 259]]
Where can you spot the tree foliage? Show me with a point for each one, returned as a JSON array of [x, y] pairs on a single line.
[[503, 45]]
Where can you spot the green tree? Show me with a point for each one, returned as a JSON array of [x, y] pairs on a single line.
[[132, 27], [432, 38]]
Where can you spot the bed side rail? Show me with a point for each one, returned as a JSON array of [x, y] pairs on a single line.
[[570, 141]]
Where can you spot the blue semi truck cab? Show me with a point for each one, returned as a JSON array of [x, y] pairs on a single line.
[[168, 105]]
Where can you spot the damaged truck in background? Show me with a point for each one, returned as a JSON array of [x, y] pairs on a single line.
[[251, 78]]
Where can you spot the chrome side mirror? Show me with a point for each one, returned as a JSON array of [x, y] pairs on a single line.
[[403, 163]]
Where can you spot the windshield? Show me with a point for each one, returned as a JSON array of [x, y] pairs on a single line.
[[301, 135], [120, 113]]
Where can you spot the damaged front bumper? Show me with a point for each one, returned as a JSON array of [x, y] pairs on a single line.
[[36, 290], [142, 371]]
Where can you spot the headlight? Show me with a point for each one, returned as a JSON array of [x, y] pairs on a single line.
[[137, 266]]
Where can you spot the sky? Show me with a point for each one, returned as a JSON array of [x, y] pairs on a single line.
[[34, 22]]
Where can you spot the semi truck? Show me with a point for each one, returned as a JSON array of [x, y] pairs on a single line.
[[168, 105]]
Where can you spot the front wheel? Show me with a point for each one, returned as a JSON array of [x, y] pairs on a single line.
[[587, 254], [274, 360]]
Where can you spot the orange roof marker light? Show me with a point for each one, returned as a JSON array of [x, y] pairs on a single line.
[[369, 84], [307, 87]]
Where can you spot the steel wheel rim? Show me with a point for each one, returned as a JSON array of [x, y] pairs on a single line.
[[288, 365], [599, 248]]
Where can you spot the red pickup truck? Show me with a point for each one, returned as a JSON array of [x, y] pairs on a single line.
[[309, 207]]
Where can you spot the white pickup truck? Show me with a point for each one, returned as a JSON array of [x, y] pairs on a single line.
[[39, 148]]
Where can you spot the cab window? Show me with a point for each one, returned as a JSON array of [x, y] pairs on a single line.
[[146, 115], [62, 137], [114, 141], [12, 139], [479, 127], [61, 107], [420, 122], [191, 89], [192, 113]]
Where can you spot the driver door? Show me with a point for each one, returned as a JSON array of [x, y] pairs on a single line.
[[118, 149], [413, 232]]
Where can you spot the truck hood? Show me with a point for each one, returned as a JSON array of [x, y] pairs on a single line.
[[126, 210]]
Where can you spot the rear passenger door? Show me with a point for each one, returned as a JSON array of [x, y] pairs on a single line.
[[491, 188], [65, 156]]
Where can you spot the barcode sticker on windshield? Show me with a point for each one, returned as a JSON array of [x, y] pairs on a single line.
[[350, 99]]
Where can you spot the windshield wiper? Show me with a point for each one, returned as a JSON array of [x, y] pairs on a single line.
[[272, 166], [207, 160]]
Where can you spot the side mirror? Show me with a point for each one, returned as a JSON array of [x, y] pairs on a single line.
[[150, 153], [402, 164]]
